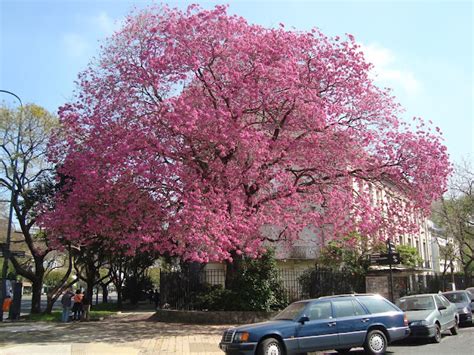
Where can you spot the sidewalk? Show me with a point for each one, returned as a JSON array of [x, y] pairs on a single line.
[[127, 334]]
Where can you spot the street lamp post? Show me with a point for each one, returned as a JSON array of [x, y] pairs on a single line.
[[6, 250]]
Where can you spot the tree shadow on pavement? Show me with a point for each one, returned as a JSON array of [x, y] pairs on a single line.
[[114, 330]]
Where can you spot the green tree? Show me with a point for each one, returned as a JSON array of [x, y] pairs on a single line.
[[350, 253], [29, 172], [58, 278], [409, 256], [454, 213], [254, 287]]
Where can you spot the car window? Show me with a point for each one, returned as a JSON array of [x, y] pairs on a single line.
[[377, 304], [421, 303], [457, 297], [343, 308], [358, 309], [291, 312], [347, 308], [320, 310], [444, 300]]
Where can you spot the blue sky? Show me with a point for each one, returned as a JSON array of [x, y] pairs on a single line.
[[421, 49]]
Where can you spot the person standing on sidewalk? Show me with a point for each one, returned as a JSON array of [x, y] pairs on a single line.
[[66, 302], [77, 306]]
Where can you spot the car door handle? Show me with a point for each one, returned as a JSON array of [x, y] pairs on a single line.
[[331, 324], [365, 320]]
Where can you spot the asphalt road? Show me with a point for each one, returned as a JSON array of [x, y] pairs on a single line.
[[26, 303], [462, 344]]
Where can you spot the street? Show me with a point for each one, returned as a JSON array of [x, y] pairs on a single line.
[[26, 303], [133, 333]]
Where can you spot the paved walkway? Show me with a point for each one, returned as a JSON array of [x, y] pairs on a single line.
[[127, 334]]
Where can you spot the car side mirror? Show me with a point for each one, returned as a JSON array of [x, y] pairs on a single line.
[[303, 319], [440, 308]]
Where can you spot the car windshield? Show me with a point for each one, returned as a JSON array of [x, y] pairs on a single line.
[[457, 297], [290, 312], [422, 303]]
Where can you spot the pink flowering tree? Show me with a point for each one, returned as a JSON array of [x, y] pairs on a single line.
[[197, 132]]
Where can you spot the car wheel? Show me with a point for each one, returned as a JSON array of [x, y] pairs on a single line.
[[454, 330], [270, 346], [343, 351], [437, 336], [376, 342]]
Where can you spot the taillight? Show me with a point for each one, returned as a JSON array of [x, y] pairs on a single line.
[[405, 319]]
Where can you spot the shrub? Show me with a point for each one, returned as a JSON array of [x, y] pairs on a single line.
[[255, 286]]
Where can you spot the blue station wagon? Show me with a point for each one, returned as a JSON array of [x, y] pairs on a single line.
[[334, 322]]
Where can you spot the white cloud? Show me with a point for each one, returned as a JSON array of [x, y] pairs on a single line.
[[387, 68], [75, 44], [93, 27], [104, 23]]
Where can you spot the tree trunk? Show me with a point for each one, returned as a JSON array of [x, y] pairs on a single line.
[[232, 270], [50, 300], [37, 286], [90, 283], [105, 293]]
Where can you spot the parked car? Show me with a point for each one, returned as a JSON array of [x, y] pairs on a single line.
[[462, 300], [334, 322], [429, 315]]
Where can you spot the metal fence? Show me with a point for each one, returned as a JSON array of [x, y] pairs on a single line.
[[434, 283], [179, 289]]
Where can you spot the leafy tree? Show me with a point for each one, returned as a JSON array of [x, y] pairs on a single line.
[[33, 184], [89, 260], [137, 280], [350, 253], [256, 287], [454, 213], [58, 278], [199, 129], [409, 256]]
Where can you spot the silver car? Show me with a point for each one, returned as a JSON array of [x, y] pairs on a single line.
[[429, 315]]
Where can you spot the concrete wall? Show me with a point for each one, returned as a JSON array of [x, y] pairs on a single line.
[[212, 317]]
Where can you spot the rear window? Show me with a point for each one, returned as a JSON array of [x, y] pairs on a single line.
[[377, 305], [417, 303], [458, 297]]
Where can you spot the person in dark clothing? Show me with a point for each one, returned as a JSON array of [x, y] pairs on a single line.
[[66, 303], [156, 299], [86, 308]]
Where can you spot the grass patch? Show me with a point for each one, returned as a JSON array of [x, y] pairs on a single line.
[[43, 317]]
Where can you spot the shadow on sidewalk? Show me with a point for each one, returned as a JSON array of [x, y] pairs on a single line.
[[119, 329]]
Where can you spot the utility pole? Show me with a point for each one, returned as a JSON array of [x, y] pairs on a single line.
[[390, 247], [6, 250]]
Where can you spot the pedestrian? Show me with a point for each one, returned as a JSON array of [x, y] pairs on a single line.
[[77, 306], [7, 302], [156, 298], [86, 308], [151, 295], [66, 302]]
